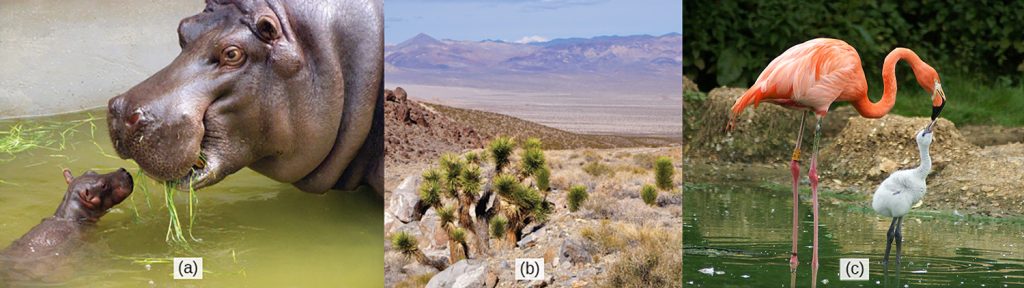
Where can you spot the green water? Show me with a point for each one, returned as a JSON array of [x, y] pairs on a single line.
[[743, 228], [254, 231]]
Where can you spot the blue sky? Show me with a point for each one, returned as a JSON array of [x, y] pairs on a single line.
[[528, 20]]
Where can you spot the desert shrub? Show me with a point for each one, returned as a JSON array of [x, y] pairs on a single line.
[[460, 250], [470, 180], [598, 169], [416, 281], [649, 194], [432, 174], [654, 259], [577, 194], [505, 185], [409, 246], [472, 157], [447, 216], [501, 149], [405, 243], [532, 160], [663, 172], [604, 237], [543, 178], [498, 224], [430, 193], [451, 169], [532, 143], [644, 160]]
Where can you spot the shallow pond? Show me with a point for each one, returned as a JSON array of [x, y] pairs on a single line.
[[743, 228], [252, 231]]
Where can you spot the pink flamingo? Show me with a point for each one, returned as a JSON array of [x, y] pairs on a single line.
[[810, 77]]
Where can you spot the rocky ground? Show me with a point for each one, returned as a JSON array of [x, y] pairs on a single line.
[[975, 170], [613, 233]]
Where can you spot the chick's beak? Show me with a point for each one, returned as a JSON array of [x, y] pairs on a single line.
[[938, 102]]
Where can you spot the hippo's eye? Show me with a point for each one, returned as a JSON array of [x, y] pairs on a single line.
[[232, 56]]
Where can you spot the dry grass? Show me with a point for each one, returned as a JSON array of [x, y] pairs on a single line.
[[416, 281], [654, 257]]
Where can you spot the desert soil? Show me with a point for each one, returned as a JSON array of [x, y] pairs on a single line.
[[613, 219]]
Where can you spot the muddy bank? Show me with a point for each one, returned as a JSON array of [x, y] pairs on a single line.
[[858, 153]]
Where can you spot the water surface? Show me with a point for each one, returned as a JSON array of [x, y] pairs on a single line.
[[253, 230], [743, 228]]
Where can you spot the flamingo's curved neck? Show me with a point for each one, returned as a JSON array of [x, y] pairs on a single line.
[[878, 109], [926, 161]]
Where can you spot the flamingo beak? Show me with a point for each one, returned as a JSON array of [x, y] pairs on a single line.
[[928, 129], [938, 101]]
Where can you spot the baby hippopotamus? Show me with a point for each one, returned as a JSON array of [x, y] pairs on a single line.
[[42, 254]]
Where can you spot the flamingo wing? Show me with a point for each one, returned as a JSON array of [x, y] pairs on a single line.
[[810, 75]]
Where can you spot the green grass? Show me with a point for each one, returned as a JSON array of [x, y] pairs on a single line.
[[968, 102]]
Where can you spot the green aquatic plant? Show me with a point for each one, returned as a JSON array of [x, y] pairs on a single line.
[[175, 233], [50, 135]]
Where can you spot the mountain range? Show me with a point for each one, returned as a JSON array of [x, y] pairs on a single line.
[[423, 59]]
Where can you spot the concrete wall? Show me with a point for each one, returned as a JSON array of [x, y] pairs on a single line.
[[62, 56]]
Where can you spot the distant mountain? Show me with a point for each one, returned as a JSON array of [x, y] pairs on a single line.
[[605, 64], [602, 54]]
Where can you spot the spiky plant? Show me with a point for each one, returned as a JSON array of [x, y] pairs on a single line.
[[432, 174], [543, 179], [460, 250], [447, 216], [577, 194], [430, 193], [532, 161], [451, 169], [532, 143], [505, 185], [472, 157], [498, 225], [470, 182], [663, 171], [409, 246], [649, 194], [500, 150]]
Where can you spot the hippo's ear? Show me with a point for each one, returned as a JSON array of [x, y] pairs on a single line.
[[268, 28], [67, 176]]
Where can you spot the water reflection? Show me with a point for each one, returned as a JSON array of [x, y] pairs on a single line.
[[741, 230]]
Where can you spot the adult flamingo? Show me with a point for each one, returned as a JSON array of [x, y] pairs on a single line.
[[811, 76]]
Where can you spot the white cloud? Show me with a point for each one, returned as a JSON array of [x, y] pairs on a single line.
[[531, 39]]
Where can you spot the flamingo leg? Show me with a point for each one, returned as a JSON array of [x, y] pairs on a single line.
[[888, 244], [794, 167], [899, 244], [813, 177]]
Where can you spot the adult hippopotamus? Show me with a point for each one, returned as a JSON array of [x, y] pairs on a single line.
[[290, 89]]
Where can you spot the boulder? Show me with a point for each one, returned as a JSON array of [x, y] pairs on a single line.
[[435, 237], [463, 274], [574, 251], [400, 94], [405, 199]]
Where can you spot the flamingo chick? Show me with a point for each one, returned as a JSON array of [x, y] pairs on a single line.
[[900, 191]]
